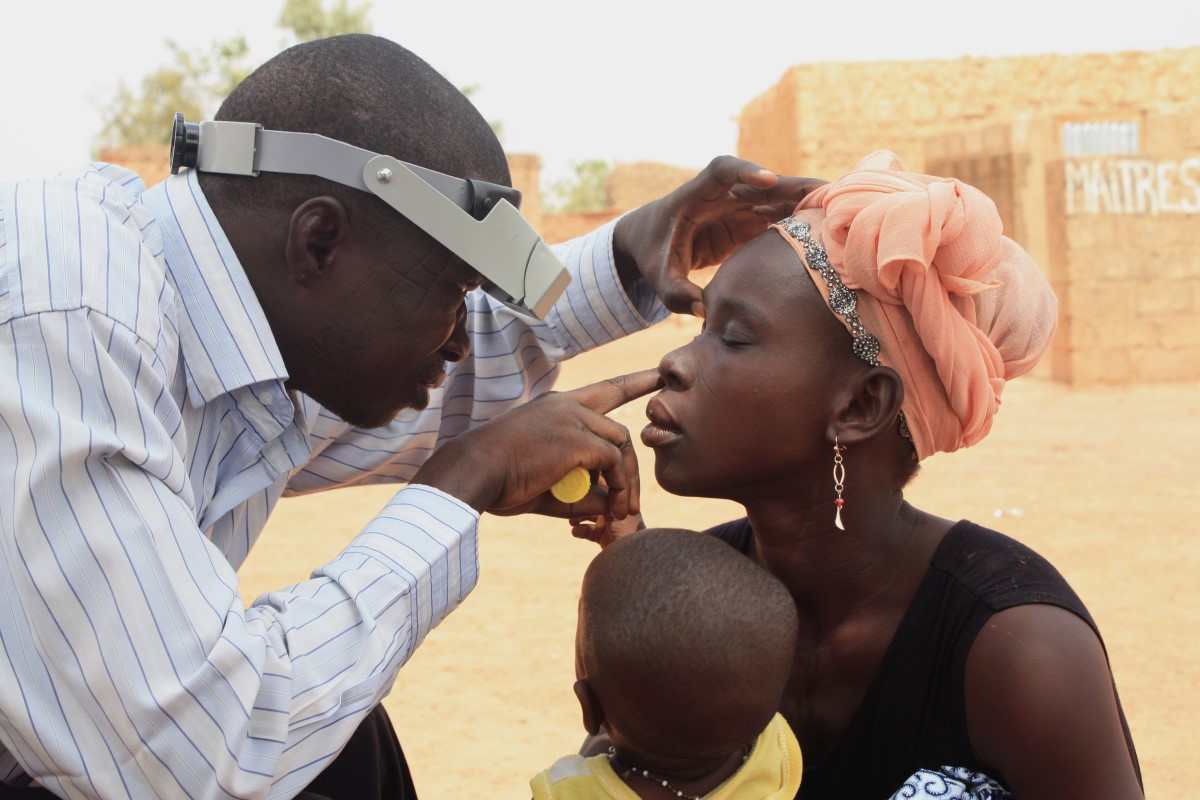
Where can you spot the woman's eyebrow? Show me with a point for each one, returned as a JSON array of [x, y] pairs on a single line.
[[738, 307]]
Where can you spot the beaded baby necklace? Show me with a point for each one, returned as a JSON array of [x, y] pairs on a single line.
[[630, 769]]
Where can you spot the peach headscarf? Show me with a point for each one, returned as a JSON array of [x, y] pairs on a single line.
[[957, 307]]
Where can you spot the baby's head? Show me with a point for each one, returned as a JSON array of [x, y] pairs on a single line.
[[684, 646]]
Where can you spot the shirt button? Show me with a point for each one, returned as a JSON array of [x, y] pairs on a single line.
[[264, 398]]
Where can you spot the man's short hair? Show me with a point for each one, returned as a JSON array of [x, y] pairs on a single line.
[[369, 92]]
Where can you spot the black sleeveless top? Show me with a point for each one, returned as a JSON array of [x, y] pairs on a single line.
[[913, 715]]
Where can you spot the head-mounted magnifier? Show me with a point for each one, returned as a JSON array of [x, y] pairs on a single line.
[[477, 221]]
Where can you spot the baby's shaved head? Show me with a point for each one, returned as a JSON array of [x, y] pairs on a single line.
[[687, 643]]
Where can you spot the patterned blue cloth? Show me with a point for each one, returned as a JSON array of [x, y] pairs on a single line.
[[950, 783]]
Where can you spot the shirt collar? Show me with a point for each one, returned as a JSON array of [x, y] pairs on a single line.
[[226, 341]]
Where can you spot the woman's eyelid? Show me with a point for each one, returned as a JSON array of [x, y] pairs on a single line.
[[734, 329], [734, 323], [726, 334]]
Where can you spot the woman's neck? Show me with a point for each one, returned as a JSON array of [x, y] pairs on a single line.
[[833, 574]]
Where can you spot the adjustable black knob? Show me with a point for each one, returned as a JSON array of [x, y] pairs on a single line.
[[185, 143]]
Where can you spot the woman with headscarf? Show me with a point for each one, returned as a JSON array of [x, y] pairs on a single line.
[[875, 327]]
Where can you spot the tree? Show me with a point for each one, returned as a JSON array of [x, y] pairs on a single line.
[[197, 80], [308, 19], [194, 83], [586, 190]]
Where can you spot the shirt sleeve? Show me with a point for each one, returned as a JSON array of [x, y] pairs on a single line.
[[513, 358], [596, 308], [129, 665]]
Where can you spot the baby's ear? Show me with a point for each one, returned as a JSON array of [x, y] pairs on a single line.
[[593, 712]]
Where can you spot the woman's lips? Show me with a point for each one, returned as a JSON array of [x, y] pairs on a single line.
[[663, 429]]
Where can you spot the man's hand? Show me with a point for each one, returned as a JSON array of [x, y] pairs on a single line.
[[508, 465], [699, 224]]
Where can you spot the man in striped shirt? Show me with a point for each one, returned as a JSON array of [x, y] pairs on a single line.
[[173, 360]]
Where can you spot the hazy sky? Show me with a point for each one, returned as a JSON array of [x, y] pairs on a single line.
[[617, 80]]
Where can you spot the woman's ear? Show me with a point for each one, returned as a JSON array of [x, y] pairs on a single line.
[[868, 406], [318, 230], [593, 712]]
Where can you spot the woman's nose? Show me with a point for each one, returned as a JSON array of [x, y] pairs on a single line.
[[673, 368]]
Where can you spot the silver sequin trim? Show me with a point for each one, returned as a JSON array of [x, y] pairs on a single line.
[[842, 299]]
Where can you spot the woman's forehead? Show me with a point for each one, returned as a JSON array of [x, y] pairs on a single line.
[[765, 266]]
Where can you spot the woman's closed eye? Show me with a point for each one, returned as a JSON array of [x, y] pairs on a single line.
[[728, 334]]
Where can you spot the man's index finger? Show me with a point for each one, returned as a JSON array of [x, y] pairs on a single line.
[[611, 393]]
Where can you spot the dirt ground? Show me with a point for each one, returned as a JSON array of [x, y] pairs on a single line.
[[1101, 481]]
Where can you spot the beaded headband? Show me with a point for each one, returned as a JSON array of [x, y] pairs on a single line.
[[842, 299]]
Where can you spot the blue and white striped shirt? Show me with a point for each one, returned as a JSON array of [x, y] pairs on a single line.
[[145, 436]]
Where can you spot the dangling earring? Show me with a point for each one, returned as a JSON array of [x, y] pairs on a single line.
[[839, 478]]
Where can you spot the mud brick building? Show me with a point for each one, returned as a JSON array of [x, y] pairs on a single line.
[[1093, 161]]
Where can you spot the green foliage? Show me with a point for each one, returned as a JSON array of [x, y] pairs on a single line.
[[308, 19], [586, 190], [193, 83], [196, 81]]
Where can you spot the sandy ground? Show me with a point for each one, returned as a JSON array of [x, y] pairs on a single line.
[[1103, 482]]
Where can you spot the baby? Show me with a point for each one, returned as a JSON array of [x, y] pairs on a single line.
[[683, 649]]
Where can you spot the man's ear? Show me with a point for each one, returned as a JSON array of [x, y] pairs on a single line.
[[593, 711], [317, 234], [868, 406]]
